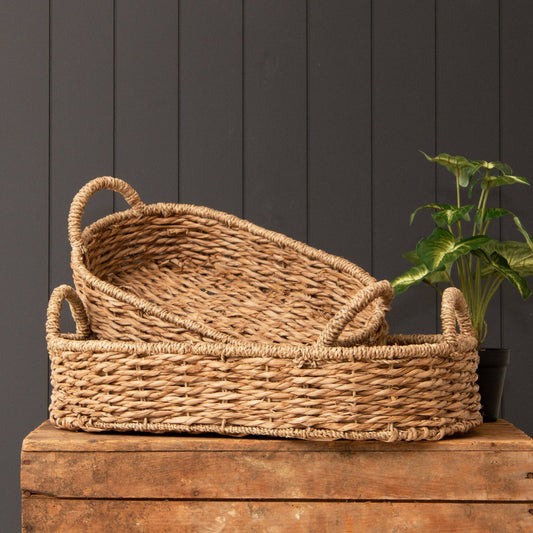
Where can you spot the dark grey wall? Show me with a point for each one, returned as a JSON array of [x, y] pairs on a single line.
[[303, 116]]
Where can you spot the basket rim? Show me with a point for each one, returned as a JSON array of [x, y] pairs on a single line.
[[166, 210], [399, 348]]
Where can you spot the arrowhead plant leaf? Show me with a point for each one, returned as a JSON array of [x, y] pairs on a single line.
[[502, 167], [411, 277], [458, 165], [518, 255], [412, 257], [432, 278], [441, 248], [445, 214], [505, 179], [489, 214], [460, 252], [501, 265], [451, 215], [495, 212], [437, 207]]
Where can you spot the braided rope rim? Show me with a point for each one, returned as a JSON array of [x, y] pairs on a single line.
[[398, 347]]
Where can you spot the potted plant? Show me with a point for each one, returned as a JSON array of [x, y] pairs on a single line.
[[459, 252]]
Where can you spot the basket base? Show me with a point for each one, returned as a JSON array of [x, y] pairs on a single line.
[[392, 434]]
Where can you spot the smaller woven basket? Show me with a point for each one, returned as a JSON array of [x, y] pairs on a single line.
[[177, 272], [413, 387]]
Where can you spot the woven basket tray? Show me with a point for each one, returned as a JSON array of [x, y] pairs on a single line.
[[412, 388], [175, 272]]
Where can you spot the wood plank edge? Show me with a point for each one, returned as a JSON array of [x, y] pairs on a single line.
[[58, 516], [47, 438]]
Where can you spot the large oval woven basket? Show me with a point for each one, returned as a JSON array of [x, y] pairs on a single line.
[[175, 272], [411, 388]]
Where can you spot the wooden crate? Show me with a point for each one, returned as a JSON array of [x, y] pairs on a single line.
[[80, 482]]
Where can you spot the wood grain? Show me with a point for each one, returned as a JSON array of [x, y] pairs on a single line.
[[76, 516], [420, 475], [81, 482], [499, 435]]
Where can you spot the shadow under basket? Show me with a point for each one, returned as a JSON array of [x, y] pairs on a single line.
[[411, 388]]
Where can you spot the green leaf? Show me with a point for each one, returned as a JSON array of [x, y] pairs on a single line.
[[443, 276], [506, 179], [522, 230], [438, 207], [433, 249], [458, 165], [502, 266], [517, 254], [412, 257], [441, 248], [473, 183], [452, 214], [446, 214], [495, 212], [489, 214], [411, 277], [502, 167]]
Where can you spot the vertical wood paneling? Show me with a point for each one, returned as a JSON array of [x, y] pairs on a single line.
[[23, 236], [210, 97], [467, 99], [81, 145], [146, 101], [304, 117], [403, 122], [340, 188], [275, 115], [516, 139]]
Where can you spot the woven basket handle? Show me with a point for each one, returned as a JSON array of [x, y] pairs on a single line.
[[455, 309], [363, 298], [84, 194], [53, 316]]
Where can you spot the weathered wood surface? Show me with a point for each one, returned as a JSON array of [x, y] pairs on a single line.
[[500, 435], [281, 475], [47, 515], [222, 468]]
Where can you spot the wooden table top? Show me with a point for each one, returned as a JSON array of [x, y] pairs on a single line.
[[500, 435]]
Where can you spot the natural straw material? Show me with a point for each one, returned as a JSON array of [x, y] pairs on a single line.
[[414, 387], [176, 272]]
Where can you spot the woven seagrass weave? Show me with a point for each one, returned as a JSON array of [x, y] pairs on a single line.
[[411, 388], [176, 272]]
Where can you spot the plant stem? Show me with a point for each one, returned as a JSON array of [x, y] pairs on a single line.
[[490, 289], [478, 286], [458, 191], [477, 229], [484, 207]]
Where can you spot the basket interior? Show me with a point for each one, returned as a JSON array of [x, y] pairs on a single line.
[[240, 284]]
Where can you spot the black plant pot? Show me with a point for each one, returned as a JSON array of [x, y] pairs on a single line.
[[491, 376]]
